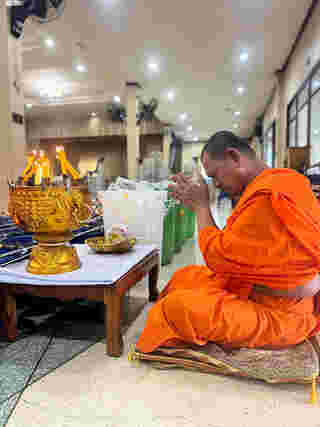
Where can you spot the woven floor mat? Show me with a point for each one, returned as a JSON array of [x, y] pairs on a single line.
[[298, 364]]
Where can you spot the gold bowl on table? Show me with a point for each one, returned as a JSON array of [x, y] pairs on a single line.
[[51, 213], [103, 245]]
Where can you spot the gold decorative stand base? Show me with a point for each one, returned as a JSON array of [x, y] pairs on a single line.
[[53, 259]]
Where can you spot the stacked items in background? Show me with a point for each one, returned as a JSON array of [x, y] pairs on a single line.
[[151, 215], [313, 174], [153, 168]]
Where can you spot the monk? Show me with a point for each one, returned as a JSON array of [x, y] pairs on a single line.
[[260, 283]]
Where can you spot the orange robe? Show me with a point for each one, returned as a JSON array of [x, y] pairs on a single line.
[[272, 238]]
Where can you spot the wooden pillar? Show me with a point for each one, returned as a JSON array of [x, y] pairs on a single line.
[[133, 133]]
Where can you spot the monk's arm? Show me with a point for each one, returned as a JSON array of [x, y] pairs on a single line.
[[204, 217]]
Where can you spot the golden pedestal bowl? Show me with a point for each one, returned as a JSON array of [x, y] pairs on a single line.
[[101, 245], [51, 213]]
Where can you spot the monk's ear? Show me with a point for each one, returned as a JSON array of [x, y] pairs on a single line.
[[234, 155]]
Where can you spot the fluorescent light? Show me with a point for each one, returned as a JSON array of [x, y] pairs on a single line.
[[93, 114], [117, 99], [81, 68], [171, 95], [153, 66], [244, 56], [237, 113], [240, 90], [183, 116], [50, 42], [28, 105], [189, 128]]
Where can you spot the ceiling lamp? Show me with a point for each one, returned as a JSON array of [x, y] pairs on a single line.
[[171, 95], [183, 116], [189, 128], [196, 139], [117, 99], [28, 106], [81, 68], [52, 92], [93, 114], [240, 90], [153, 66], [237, 113], [244, 56], [236, 126], [50, 43]]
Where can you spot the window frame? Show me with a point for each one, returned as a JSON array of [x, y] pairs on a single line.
[[272, 128], [307, 83]]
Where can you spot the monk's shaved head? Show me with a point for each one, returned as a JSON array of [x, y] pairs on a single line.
[[219, 143]]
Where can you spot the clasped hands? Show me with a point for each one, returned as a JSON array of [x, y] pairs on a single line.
[[192, 194]]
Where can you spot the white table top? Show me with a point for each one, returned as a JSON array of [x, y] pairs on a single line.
[[96, 269]]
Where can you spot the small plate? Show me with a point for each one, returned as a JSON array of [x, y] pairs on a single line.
[[100, 245]]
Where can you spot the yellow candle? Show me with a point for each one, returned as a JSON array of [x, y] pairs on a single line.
[[65, 165], [30, 160], [38, 177], [44, 164], [46, 169]]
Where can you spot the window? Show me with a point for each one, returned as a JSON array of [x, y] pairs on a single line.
[[302, 136], [303, 96], [315, 129], [269, 145], [299, 110]]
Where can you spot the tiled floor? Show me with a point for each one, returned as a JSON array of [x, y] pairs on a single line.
[[97, 391]]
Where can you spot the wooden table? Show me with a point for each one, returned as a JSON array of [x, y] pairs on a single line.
[[111, 295]]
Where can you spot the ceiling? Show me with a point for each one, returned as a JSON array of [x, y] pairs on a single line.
[[196, 46]]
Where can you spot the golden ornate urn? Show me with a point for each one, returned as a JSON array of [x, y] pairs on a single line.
[[51, 213]]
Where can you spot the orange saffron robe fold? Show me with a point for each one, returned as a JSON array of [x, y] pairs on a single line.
[[272, 238]]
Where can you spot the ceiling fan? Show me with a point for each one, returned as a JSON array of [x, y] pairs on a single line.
[[146, 112], [40, 11]]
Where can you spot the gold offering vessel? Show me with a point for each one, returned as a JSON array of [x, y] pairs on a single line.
[[51, 213]]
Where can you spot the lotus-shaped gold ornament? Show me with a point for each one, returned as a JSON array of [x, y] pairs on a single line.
[[51, 213]]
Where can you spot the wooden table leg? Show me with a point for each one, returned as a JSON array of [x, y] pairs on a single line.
[[153, 283], [8, 314], [114, 342]]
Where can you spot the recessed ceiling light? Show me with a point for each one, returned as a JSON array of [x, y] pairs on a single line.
[[189, 128], [183, 116], [244, 56], [171, 95], [237, 113], [240, 90], [153, 66], [117, 99], [93, 114], [81, 68], [50, 42], [28, 105]]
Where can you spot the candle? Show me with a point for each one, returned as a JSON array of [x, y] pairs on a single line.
[[66, 167], [38, 177], [45, 165], [30, 163]]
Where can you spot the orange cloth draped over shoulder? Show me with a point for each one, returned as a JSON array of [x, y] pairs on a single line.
[[272, 239]]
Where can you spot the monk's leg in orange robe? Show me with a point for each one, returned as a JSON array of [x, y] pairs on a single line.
[[196, 308]]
